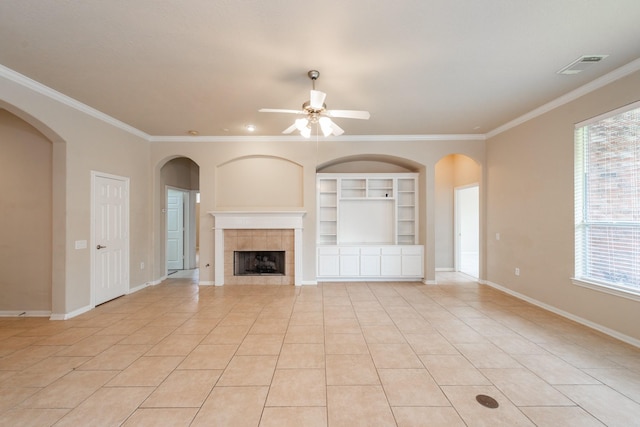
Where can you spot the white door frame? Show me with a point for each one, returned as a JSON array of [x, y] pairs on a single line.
[[188, 201], [457, 227], [92, 240]]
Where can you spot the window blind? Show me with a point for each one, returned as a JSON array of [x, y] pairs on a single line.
[[607, 199]]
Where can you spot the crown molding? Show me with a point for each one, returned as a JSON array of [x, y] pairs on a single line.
[[611, 77], [29, 83], [25, 81], [342, 138]]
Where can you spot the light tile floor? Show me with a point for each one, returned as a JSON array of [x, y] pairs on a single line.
[[339, 354]]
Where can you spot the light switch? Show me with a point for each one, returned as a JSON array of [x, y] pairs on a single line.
[[81, 244]]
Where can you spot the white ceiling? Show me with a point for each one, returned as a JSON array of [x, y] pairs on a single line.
[[421, 67]]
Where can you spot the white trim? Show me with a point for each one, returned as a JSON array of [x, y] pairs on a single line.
[[607, 289], [613, 333], [74, 313], [25, 313], [445, 269], [138, 288], [38, 87], [31, 84], [616, 74], [608, 114], [309, 283], [430, 282], [341, 138], [206, 283]]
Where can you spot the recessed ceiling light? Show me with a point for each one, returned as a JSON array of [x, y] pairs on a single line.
[[193, 132], [250, 128]]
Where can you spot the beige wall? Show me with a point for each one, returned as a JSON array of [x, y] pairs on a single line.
[[415, 155], [83, 143], [259, 182], [530, 203], [26, 212], [526, 195]]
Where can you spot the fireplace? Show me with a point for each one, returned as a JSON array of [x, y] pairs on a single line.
[[252, 231], [258, 263]]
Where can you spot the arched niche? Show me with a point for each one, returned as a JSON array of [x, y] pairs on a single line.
[[369, 163], [45, 294], [259, 182]]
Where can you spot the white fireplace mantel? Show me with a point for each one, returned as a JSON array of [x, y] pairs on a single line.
[[254, 220]]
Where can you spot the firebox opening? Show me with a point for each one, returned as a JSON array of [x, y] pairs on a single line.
[[258, 263]]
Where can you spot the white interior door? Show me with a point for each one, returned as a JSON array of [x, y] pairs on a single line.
[[110, 237], [467, 211], [175, 228]]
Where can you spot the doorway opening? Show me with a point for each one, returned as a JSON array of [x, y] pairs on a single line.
[[180, 206], [467, 224]]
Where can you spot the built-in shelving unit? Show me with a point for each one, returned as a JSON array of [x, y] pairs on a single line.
[[361, 218]]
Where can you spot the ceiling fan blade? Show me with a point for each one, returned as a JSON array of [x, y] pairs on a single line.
[[316, 99], [278, 110], [348, 114], [337, 130], [290, 129]]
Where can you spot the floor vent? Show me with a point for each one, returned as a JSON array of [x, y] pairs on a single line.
[[487, 401]]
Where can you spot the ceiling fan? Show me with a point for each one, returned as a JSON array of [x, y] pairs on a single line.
[[315, 111]]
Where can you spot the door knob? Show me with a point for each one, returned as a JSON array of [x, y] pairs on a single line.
[[100, 247]]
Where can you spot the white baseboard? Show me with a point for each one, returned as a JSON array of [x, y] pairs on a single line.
[[429, 282], [62, 316], [598, 327], [309, 283], [445, 269], [206, 283], [25, 313], [138, 288]]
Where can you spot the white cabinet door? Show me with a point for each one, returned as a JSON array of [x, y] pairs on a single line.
[[349, 261], [328, 262], [390, 265], [370, 261], [412, 265], [349, 265]]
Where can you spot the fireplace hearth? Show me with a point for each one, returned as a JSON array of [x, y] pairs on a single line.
[[259, 263]]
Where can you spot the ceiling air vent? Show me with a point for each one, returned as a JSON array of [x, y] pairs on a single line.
[[581, 64]]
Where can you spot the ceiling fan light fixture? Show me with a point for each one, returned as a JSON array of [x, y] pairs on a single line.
[[325, 126], [301, 123], [315, 112], [306, 132]]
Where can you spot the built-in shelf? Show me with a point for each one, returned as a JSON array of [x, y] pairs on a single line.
[[363, 212]]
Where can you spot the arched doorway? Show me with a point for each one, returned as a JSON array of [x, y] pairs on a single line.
[[179, 189]]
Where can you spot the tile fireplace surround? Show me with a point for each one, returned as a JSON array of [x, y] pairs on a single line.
[[231, 227]]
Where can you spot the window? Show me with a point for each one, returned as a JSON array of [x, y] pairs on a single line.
[[607, 202]]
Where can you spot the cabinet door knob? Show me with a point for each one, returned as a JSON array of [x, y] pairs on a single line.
[[100, 247]]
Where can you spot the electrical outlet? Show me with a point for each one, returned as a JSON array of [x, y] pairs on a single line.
[[517, 271], [497, 236], [142, 266]]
